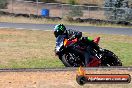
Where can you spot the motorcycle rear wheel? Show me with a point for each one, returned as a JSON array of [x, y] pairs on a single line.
[[110, 59]]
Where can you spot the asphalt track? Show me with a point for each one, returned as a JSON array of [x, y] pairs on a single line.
[[89, 29]]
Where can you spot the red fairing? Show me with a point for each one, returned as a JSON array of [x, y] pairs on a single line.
[[72, 41], [94, 63], [96, 40]]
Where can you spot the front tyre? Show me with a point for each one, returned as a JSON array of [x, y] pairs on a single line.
[[71, 59], [110, 59]]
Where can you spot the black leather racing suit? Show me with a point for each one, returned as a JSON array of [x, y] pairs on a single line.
[[72, 34]]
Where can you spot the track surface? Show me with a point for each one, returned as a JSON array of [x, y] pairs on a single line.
[[90, 29]]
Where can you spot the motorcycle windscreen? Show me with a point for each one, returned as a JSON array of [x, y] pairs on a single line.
[[59, 42]]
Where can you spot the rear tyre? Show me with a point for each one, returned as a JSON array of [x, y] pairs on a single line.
[[110, 59]]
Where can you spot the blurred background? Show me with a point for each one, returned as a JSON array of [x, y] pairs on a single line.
[[68, 10]]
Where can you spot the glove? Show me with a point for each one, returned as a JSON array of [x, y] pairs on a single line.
[[71, 38]]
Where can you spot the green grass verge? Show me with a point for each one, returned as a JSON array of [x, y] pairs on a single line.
[[35, 48]]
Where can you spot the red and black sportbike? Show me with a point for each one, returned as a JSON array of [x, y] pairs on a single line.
[[71, 53]]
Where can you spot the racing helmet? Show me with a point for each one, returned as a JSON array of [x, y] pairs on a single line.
[[59, 30]]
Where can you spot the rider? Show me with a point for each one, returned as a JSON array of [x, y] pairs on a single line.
[[60, 29]]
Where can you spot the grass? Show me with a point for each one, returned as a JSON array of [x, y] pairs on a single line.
[[47, 21], [35, 48], [27, 49]]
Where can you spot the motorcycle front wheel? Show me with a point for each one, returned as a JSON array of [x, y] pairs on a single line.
[[71, 59]]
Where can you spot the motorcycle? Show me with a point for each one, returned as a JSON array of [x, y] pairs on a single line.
[[71, 53]]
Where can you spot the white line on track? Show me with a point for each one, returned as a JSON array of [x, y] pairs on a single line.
[[21, 28], [63, 69]]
